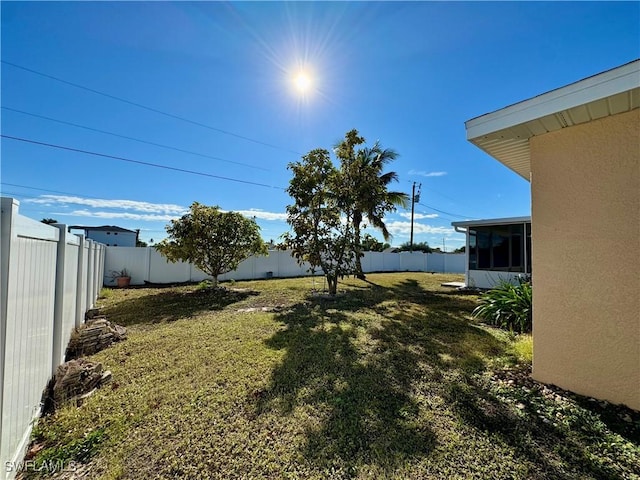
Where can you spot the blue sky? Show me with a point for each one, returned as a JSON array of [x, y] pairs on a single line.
[[406, 74]]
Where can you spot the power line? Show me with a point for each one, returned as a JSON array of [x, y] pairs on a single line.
[[151, 109], [139, 162], [442, 211], [131, 138]]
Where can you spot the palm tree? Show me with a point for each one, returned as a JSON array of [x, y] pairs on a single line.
[[372, 197]]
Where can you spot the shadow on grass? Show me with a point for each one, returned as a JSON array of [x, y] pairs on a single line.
[[370, 398], [552, 448], [366, 393], [169, 305]]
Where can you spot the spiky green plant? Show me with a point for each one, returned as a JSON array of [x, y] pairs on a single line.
[[507, 306]]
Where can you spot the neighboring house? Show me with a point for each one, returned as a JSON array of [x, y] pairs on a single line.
[[579, 146], [110, 235], [496, 250]]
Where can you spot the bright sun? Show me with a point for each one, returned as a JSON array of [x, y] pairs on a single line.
[[302, 82]]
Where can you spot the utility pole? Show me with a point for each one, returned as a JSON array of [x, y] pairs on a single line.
[[414, 198]]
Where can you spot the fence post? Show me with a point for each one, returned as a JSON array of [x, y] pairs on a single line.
[[148, 279], [80, 285], [100, 278], [88, 302], [58, 306], [103, 258], [9, 212], [96, 272]]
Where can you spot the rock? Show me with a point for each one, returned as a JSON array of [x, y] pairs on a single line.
[[91, 313], [77, 380], [95, 335]]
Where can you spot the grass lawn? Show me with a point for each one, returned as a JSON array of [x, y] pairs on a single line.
[[392, 379]]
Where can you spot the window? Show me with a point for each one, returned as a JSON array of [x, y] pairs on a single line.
[[473, 257], [500, 241], [516, 244], [500, 247], [484, 248]]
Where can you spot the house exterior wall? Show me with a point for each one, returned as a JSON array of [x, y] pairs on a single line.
[[120, 239], [585, 187]]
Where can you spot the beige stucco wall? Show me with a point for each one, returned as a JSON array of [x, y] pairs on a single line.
[[585, 187]]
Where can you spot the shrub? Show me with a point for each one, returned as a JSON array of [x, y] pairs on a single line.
[[507, 306]]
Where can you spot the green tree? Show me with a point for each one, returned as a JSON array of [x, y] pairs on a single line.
[[49, 221], [417, 247], [214, 241], [321, 222], [372, 244], [363, 171]]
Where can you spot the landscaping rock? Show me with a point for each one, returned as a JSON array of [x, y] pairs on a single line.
[[91, 313], [77, 380], [95, 335]]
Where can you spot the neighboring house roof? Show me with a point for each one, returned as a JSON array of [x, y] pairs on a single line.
[[492, 221], [104, 228], [504, 134]]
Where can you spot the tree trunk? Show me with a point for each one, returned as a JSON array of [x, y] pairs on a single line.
[[357, 219], [214, 281], [332, 282]]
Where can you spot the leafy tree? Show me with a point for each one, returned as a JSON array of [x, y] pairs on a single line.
[[320, 219], [372, 244], [417, 247], [49, 221], [368, 184], [461, 249], [214, 241], [141, 243]]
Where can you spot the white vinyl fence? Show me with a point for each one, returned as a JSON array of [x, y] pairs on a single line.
[[147, 265], [49, 278]]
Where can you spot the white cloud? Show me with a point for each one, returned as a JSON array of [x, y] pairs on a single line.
[[261, 214], [423, 173], [146, 217], [404, 228], [418, 216], [134, 210], [104, 203]]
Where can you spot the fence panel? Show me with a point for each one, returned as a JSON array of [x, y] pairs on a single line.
[[413, 261], [44, 280], [455, 263], [146, 264], [267, 264], [28, 265], [163, 271], [127, 257], [435, 262], [66, 292]]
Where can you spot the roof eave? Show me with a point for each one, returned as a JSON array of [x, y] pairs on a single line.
[[492, 221], [505, 134]]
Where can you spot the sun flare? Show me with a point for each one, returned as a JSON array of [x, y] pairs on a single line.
[[302, 82]]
